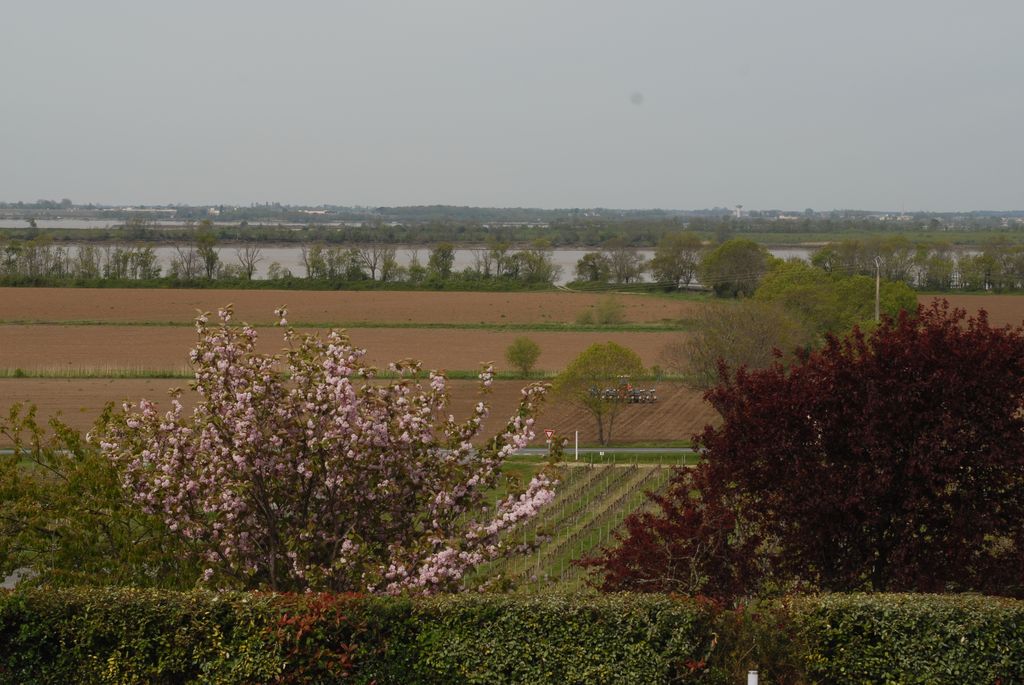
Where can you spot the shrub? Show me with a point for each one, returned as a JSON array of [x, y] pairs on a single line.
[[910, 638], [610, 311], [146, 636], [136, 636], [522, 354]]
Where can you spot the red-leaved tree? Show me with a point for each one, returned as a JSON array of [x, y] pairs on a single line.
[[887, 461]]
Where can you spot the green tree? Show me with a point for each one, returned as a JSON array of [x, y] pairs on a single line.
[[596, 369], [804, 291], [936, 266], [857, 299], [747, 333], [608, 311], [833, 303], [735, 267], [65, 518], [206, 246], [627, 265], [676, 259], [522, 354], [593, 267], [440, 262]]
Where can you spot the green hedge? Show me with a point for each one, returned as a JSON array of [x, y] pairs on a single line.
[[911, 638], [135, 636]]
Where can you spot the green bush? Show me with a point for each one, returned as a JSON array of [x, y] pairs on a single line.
[[134, 636], [563, 639], [861, 638], [90, 635]]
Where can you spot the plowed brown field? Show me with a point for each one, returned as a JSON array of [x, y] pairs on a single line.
[[257, 306], [677, 415], [1002, 309], [45, 347]]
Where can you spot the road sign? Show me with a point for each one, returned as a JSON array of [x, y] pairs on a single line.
[[550, 432]]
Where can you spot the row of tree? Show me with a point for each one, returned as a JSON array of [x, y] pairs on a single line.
[[674, 264], [998, 266], [379, 262], [42, 260], [734, 267], [200, 259]]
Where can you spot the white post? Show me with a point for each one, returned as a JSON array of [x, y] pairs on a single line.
[[751, 677], [577, 445]]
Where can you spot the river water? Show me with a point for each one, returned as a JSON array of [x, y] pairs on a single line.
[[290, 257]]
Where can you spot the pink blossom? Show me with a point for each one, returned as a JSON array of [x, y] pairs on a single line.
[[293, 471]]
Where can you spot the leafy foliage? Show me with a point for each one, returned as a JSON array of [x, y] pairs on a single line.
[[64, 518], [831, 303], [522, 354], [676, 259], [594, 267], [133, 636], [745, 333], [598, 368], [609, 311], [910, 638], [735, 267], [888, 461]]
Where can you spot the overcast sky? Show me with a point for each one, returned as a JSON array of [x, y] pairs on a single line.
[[889, 104]]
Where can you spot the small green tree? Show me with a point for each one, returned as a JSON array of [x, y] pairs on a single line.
[[744, 333], [440, 262], [593, 267], [65, 519], [676, 258], [610, 311], [607, 312], [597, 369], [522, 354], [735, 267], [206, 246]]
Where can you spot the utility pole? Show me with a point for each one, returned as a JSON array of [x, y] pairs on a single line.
[[878, 286]]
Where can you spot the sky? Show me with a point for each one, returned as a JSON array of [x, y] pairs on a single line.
[[686, 104]]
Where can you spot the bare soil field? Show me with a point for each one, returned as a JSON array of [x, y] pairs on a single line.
[[679, 413], [1002, 309], [257, 306], [49, 347]]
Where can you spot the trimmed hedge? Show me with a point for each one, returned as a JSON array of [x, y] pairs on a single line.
[[144, 636], [89, 635], [863, 638]]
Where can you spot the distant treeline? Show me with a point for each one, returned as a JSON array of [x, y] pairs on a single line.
[[584, 231], [681, 260], [198, 262], [996, 266], [736, 266]]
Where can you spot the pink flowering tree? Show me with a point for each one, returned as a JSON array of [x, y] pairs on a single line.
[[298, 471]]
